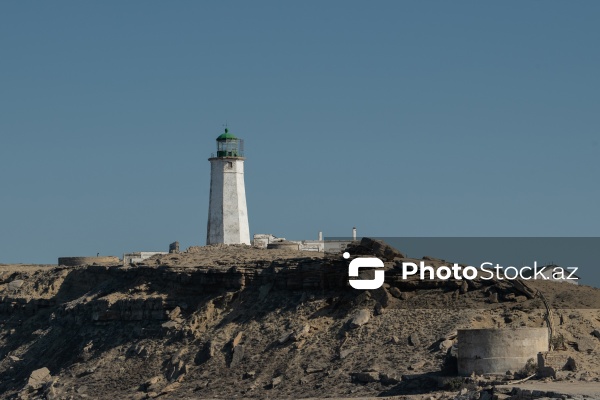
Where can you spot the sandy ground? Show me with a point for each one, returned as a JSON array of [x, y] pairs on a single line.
[[10, 268], [591, 389]]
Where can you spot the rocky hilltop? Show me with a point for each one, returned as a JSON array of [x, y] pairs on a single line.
[[242, 322]]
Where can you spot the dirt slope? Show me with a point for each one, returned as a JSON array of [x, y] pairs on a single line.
[[235, 321]]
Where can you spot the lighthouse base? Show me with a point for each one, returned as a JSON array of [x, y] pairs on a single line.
[[227, 211]]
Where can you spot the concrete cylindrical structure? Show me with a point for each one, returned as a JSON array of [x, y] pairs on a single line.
[[284, 245], [495, 351], [101, 260]]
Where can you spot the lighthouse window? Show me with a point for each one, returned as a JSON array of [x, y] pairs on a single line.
[[229, 164]]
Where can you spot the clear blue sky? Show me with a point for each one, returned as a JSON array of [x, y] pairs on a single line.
[[401, 118]]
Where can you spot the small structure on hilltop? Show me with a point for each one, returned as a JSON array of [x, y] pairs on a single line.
[[227, 211], [98, 260], [269, 241], [262, 240], [138, 256]]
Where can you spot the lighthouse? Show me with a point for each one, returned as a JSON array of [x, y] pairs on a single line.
[[227, 211]]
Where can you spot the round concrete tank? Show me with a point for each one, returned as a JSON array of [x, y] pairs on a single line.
[[101, 260], [495, 351], [284, 245]]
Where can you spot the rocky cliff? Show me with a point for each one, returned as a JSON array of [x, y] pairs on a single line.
[[236, 321]]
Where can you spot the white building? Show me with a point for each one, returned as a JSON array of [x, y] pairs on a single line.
[[262, 240], [323, 246], [227, 211]]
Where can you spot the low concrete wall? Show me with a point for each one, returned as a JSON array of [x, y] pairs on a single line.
[[139, 256], [495, 351], [74, 261]]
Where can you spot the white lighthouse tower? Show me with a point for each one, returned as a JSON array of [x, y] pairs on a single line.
[[227, 212]]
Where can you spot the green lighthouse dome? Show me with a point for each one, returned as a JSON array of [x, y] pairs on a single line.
[[226, 136]]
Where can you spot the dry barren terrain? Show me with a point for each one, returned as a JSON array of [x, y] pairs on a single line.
[[242, 322]]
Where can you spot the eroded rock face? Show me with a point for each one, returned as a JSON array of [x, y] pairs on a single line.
[[137, 303]]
